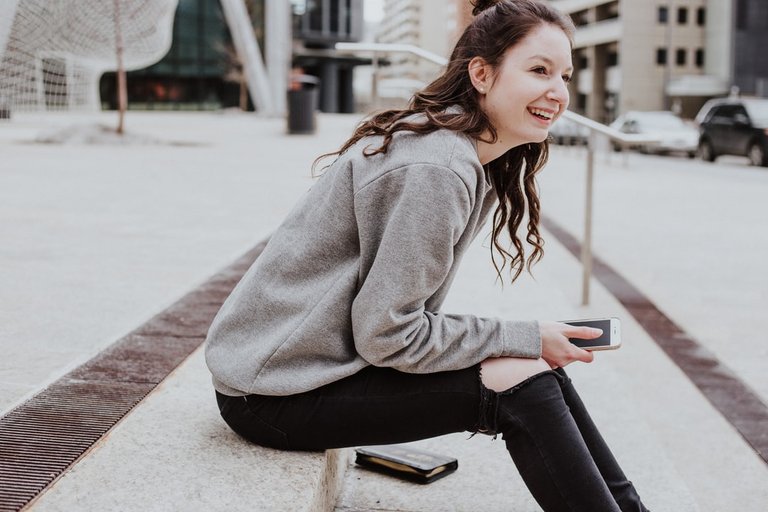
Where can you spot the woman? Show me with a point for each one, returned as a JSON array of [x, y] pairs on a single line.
[[335, 337]]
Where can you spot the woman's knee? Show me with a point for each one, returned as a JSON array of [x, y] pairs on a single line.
[[502, 373]]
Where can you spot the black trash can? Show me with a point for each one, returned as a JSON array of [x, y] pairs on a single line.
[[5, 109], [302, 104]]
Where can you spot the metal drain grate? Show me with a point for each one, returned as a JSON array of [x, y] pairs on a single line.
[[41, 438], [740, 406], [45, 435]]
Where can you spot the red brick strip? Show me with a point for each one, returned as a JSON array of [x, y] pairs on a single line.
[[44, 436]]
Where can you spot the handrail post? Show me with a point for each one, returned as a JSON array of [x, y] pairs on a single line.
[[375, 81], [586, 247]]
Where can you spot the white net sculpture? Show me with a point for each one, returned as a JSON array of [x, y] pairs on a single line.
[[53, 52]]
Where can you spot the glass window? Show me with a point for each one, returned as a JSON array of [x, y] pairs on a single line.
[[701, 16], [315, 11], [724, 114], [661, 56], [682, 15], [699, 57], [663, 14], [742, 14], [680, 56], [335, 16]]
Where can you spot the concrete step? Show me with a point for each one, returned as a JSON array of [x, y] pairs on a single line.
[[173, 452], [670, 441]]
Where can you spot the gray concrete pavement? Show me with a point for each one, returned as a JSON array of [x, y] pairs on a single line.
[[96, 239], [690, 234]]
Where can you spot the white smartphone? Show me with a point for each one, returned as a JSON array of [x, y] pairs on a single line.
[[609, 340]]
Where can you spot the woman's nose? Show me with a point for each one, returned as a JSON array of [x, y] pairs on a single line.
[[559, 92]]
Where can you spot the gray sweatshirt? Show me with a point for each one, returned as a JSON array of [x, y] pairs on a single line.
[[357, 272]]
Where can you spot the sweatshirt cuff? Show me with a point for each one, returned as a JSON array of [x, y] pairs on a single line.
[[522, 339]]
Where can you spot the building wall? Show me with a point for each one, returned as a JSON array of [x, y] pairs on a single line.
[[618, 47], [428, 24], [644, 78], [200, 71], [616, 54], [750, 67], [719, 47]]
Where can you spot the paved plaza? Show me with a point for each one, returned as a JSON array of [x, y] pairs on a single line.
[[97, 238]]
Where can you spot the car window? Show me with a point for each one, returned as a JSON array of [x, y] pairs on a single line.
[[629, 126], [724, 114], [741, 113], [713, 112]]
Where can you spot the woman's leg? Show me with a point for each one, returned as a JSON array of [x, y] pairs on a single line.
[[621, 488], [542, 437], [374, 406], [381, 406]]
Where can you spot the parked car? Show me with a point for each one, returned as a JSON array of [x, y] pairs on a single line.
[[674, 134], [568, 133], [734, 126]]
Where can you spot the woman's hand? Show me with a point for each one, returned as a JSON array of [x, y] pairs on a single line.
[[557, 350]]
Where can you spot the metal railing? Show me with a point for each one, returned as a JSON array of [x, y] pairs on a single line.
[[624, 140], [378, 49], [595, 130]]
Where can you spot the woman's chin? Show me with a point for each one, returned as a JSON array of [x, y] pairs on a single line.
[[539, 138]]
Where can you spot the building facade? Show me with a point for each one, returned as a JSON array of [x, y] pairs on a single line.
[[665, 54], [427, 24], [202, 70], [318, 26], [749, 64], [631, 55]]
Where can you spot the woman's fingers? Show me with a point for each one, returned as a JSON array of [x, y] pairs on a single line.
[[557, 350], [585, 356], [584, 333]]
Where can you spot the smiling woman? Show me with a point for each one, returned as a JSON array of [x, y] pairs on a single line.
[[527, 92], [335, 337]]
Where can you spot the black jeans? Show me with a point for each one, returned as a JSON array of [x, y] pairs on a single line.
[[556, 447]]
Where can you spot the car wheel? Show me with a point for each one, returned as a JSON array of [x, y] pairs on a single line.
[[756, 155], [706, 151]]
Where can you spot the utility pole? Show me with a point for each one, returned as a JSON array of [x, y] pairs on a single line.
[[122, 87]]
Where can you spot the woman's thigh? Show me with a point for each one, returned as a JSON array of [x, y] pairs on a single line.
[[374, 406]]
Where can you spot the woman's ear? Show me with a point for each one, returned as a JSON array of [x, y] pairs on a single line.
[[480, 74]]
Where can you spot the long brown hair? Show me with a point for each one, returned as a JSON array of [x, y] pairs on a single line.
[[498, 26]]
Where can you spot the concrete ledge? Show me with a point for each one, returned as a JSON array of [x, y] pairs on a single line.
[[173, 452]]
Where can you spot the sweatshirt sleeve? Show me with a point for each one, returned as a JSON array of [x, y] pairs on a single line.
[[409, 221]]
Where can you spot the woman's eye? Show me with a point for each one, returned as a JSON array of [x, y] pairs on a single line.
[[566, 78], [540, 70]]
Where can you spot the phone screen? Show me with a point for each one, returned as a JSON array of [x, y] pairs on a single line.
[[603, 341]]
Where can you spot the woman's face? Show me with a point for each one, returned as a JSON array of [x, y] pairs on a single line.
[[528, 90]]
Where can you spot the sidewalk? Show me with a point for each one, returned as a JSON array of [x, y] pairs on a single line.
[[101, 237]]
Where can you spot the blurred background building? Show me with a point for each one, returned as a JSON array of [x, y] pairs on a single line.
[[427, 24], [672, 54], [203, 70], [628, 55], [317, 26]]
